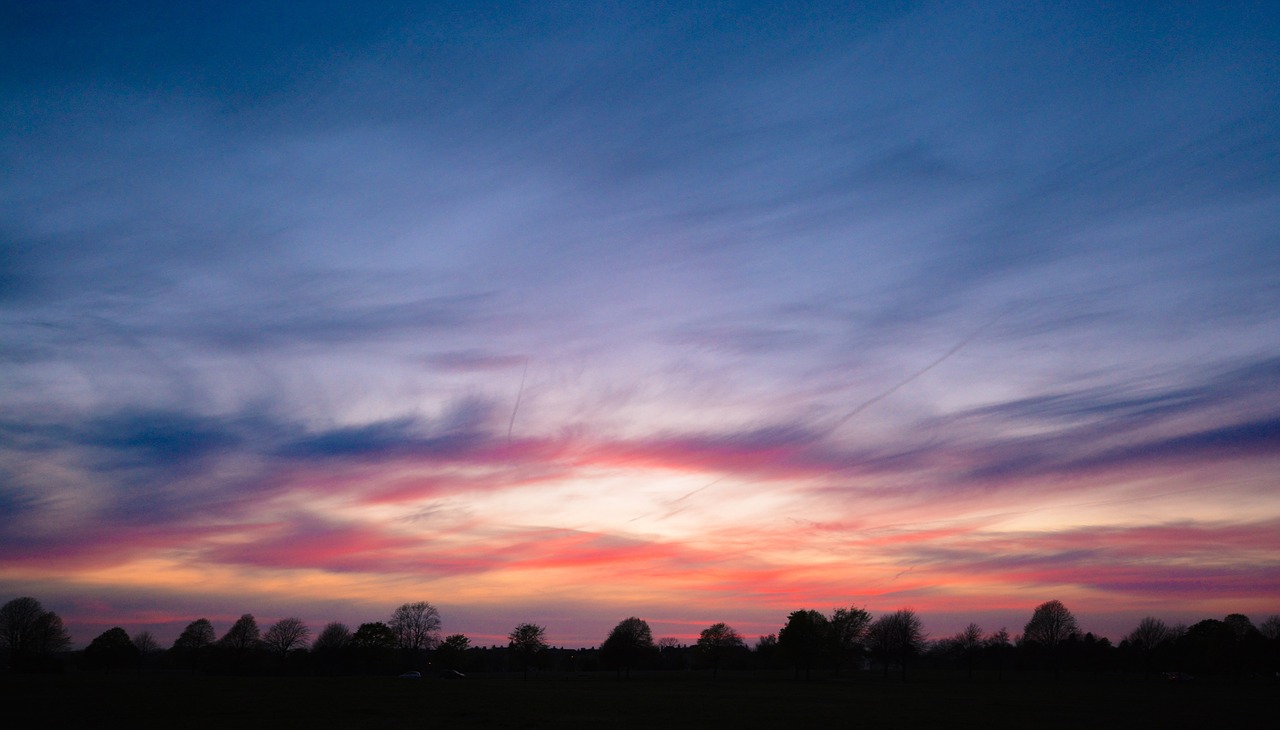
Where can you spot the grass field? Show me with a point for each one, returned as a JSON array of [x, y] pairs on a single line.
[[653, 700]]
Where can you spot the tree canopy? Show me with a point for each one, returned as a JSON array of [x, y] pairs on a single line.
[[628, 644], [1050, 625], [286, 635], [716, 642], [416, 626], [30, 633], [527, 642], [805, 638]]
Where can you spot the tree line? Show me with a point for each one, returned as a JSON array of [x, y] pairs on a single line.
[[846, 640]]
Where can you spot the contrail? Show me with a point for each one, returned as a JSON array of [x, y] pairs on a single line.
[[867, 404], [519, 394]]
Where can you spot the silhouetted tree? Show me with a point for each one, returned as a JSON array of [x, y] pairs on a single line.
[[805, 639], [968, 643], [146, 643], [998, 648], [30, 634], [1270, 627], [716, 642], [528, 644], [194, 643], [374, 635], [335, 636], [112, 649], [243, 634], [286, 635], [1147, 640], [628, 644], [331, 651], [452, 651], [847, 632], [766, 650], [672, 654], [1051, 625], [240, 643], [416, 626], [373, 645], [1247, 643], [1270, 631], [898, 635]]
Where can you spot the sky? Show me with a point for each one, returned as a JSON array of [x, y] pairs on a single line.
[[564, 312]]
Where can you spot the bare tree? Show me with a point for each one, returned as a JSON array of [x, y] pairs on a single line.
[[416, 626], [333, 637], [998, 648], [527, 644], [146, 643], [968, 642], [717, 641], [30, 633], [286, 635], [1051, 624], [1150, 635], [898, 635]]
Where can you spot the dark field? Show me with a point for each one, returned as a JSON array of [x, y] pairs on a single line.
[[654, 700]]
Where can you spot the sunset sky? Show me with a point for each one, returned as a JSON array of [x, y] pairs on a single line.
[[565, 312]]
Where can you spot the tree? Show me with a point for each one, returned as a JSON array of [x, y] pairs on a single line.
[[1247, 645], [848, 629], [766, 650], [243, 634], [374, 635], [671, 653], [194, 642], [373, 648], [30, 633], [196, 636], [416, 626], [1051, 626], [286, 635], [1150, 637], [527, 644], [968, 642], [240, 643], [1270, 627], [1150, 633], [898, 635], [331, 649], [627, 644], [146, 643], [335, 636], [452, 650], [804, 639], [999, 648], [717, 641], [112, 649]]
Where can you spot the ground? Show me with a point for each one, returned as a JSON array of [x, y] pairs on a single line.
[[647, 700]]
